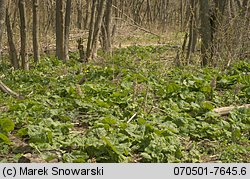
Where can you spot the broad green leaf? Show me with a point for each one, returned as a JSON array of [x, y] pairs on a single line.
[[4, 139], [6, 125]]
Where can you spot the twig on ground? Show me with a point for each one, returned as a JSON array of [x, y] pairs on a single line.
[[132, 118]]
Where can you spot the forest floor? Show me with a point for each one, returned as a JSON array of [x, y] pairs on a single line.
[[133, 106]]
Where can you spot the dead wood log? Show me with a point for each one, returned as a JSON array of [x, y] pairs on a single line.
[[7, 90], [226, 110]]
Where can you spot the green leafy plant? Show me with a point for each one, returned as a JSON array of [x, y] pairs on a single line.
[[131, 108]]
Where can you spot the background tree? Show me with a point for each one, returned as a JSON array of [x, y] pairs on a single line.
[[205, 32], [67, 30], [23, 33], [106, 27], [192, 29], [2, 16], [59, 29], [99, 23], [98, 8], [35, 31], [12, 48]]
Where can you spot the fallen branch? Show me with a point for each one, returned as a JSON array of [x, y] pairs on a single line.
[[7, 90], [132, 118], [226, 110]]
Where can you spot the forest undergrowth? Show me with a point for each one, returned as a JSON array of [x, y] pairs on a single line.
[[132, 107]]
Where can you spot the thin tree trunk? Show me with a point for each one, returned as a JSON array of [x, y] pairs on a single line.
[[79, 14], [23, 33], [106, 32], [87, 13], [59, 30], [12, 48], [91, 30], [2, 16], [35, 32], [191, 30], [98, 23], [67, 29], [181, 15]]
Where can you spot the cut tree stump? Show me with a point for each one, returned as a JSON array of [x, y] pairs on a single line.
[[226, 110], [7, 90]]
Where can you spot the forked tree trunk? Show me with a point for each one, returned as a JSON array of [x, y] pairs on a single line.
[[35, 31], [97, 28], [23, 33]]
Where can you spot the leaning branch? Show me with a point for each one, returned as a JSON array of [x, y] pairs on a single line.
[[7, 90], [226, 110]]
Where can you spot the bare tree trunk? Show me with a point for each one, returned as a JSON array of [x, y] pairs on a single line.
[[98, 24], [67, 29], [87, 14], [23, 33], [91, 30], [12, 48], [81, 50], [205, 32], [216, 20], [106, 30], [192, 30], [79, 14], [35, 31], [2, 16], [181, 15], [59, 30]]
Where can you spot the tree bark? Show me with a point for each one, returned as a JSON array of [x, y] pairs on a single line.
[[79, 14], [86, 20], [91, 30], [205, 32], [192, 31], [23, 33], [59, 30], [67, 29], [35, 31], [98, 24], [106, 28], [12, 48], [2, 16]]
